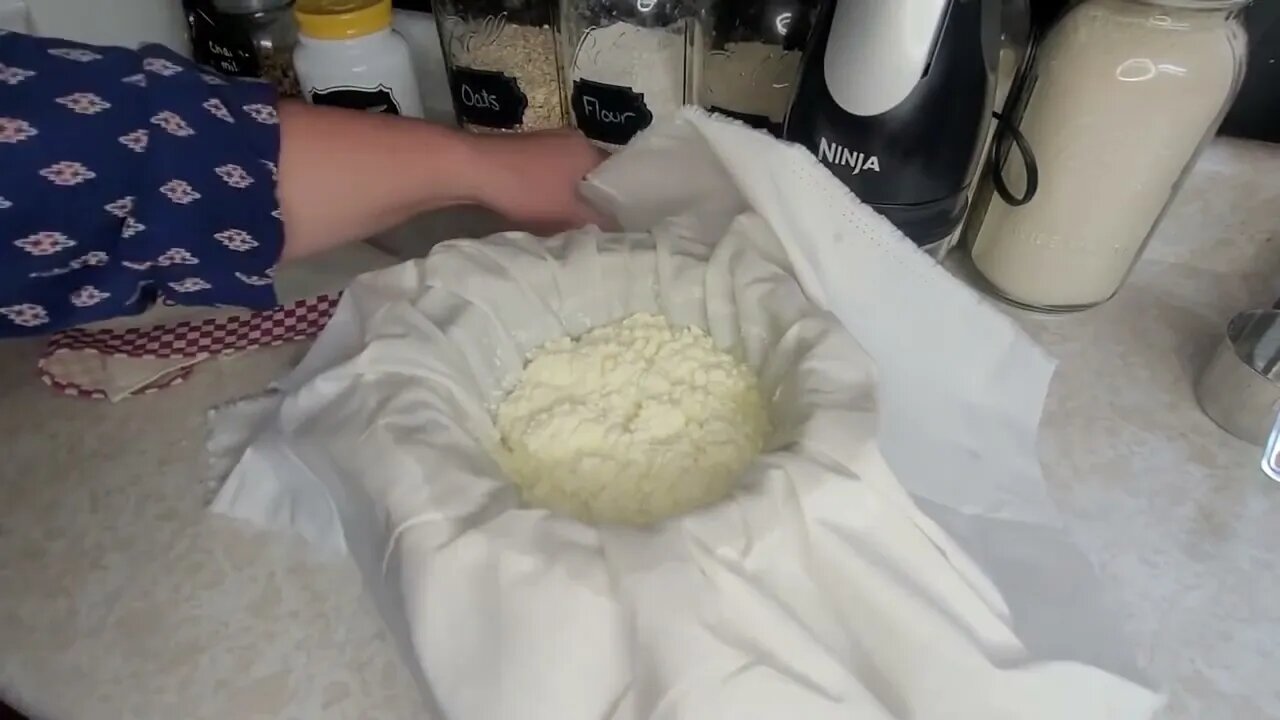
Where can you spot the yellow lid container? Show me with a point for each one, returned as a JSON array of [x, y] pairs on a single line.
[[342, 19]]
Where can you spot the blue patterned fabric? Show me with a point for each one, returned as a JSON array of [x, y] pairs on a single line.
[[130, 176]]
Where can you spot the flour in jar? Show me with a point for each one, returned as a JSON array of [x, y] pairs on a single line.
[[632, 423], [650, 62]]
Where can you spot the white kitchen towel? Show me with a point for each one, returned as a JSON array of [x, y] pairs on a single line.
[[891, 555]]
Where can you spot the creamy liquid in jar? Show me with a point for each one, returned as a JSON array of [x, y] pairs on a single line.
[[1126, 95]]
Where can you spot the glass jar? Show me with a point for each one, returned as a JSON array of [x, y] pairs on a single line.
[[753, 60], [629, 61], [1122, 97], [249, 38], [218, 40], [503, 64]]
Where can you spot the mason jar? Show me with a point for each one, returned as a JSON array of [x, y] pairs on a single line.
[[503, 63], [628, 62], [1122, 97], [753, 60], [258, 40]]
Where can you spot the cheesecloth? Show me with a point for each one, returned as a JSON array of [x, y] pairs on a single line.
[[892, 554]]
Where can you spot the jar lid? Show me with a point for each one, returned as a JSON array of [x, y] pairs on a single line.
[[422, 6], [249, 7], [1198, 4], [342, 19]]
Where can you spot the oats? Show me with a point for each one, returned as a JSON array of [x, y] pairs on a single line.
[[528, 55]]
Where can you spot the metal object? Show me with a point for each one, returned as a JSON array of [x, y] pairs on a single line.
[[1271, 458], [1240, 389]]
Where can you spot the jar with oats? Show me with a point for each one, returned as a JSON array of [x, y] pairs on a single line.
[[503, 66]]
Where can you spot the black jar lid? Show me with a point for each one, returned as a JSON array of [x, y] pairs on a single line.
[[422, 6]]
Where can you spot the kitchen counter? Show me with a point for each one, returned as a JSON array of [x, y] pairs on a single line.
[[121, 598]]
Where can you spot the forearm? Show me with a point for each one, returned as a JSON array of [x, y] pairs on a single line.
[[345, 176], [130, 175]]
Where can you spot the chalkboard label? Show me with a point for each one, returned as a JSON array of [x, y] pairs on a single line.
[[609, 113], [223, 43], [759, 122], [375, 100], [488, 99]]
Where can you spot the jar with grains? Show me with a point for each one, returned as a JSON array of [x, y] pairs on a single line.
[[753, 60], [630, 61], [267, 32], [1122, 97], [504, 70]]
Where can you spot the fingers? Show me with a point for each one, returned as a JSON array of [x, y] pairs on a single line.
[[585, 214], [581, 217]]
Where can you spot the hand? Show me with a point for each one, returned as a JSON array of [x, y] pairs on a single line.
[[533, 179]]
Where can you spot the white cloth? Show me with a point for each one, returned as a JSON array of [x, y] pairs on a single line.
[[892, 555]]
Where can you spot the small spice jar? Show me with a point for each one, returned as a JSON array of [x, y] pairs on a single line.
[[348, 56], [753, 60], [271, 29], [629, 61], [1121, 98], [246, 38], [503, 66]]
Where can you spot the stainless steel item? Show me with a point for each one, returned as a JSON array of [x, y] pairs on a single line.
[[1271, 458], [1240, 389]]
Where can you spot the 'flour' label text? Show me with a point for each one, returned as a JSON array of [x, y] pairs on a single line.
[[609, 114]]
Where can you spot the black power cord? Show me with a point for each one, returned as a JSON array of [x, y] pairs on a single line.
[[1006, 130]]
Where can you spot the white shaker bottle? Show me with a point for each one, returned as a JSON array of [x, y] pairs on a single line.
[[348, 56]]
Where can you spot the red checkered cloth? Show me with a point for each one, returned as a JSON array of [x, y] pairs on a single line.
[[122, 362]]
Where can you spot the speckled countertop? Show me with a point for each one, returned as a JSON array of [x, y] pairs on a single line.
[[121, 598], [1175, 513]]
